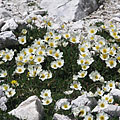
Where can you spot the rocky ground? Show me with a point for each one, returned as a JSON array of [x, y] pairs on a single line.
[[14, 11]]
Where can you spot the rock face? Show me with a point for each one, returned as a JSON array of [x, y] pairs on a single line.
[[112, 110], [69, 9], [3, 100], [7, 39], [84, 100], [9, 24], [60, 117], [115, 92], [30, 109]]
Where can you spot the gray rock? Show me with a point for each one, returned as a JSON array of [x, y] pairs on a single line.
[[39, 12], [3, 100], [1, 23], [73, 9], [4, 13], [60, 117], [7, 39], [112, 110], [9, 24], [30, 109], [115, 93], [83, 100]]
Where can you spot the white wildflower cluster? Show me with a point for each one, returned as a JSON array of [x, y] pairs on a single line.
[[46, 95], [6, 55], [90, 45], [9, 92]]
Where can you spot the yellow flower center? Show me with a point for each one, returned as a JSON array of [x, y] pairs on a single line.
[[75, 86], [65, 106], [102, 105], [102, 118]]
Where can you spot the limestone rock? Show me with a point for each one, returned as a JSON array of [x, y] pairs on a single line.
[[73, 9], [1, 22], [112, 110], [84, 100], [7, 39], [60, 117], [9, 24], [115, 92], [3, 100], [4, 13], [30, 109]]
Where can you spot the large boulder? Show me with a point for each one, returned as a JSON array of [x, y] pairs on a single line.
[[112, 110], [69, 9], [84, 100], [7, 39], [30, 109], [60, 117], [9, 24], [115, 93], [3, 100]]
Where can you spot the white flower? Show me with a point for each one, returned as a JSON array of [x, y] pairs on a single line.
[[30, 50], [85, 67], [45, 93], [111, 100], [49, 75], [82, 74], [60, 63], [75, 39], [99, 92], [43, 75], [75, 77], [38, 59], [54, 65], [66, 35], [112, 52], [97, 47], [58, 54], [82, 111], [75, 111], [105, 50], [22, 40], [106, 88], [65, 44], [8, 55], [88, 117], [50, 51], [80, 61], [20, 69], [52, 43], [76, 85], [83, 49], [111, 62], [104, 56], [111, 84], [47, 101], [92, 30], [102, 104], [57, 37], [20, 57], [3, 73], [40, 51], [108, 98], [101, 42], [68, 92], [65, 105], [102, 116], [95, 76], [10, 92], [5, 87]]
